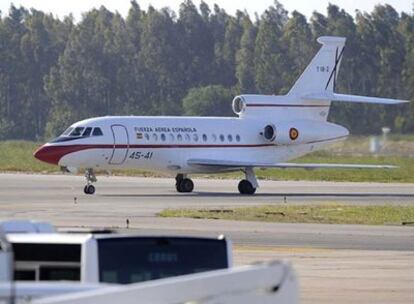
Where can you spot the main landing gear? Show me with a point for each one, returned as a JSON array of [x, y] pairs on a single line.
[[246, 186], [249, 184], [90, 178], [183, 184]]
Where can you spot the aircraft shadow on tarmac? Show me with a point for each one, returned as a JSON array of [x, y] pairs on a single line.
[[231, 194]]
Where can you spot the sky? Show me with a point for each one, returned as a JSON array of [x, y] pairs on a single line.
[[306, 7]]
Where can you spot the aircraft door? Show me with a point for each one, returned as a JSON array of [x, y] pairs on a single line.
[[121, 145]]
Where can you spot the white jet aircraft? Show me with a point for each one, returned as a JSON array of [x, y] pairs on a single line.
[[268, 131]]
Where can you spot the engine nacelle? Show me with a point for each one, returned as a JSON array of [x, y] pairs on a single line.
[[238, 105], [270, 108], [303, 132]]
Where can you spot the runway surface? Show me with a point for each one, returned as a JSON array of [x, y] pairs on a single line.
[[335, 263], [60, 200]]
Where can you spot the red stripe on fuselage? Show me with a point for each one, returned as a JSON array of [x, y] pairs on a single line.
[[275, 105], [52, 154]]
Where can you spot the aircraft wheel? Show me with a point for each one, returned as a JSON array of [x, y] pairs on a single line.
[[178, 185], [186, 185], [246, 187], [89, 189]]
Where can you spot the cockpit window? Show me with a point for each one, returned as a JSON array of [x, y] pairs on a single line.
[[87, 132], [68, 130], [77, 131], [97, 132]]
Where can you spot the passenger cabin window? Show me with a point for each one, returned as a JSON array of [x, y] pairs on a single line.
[[179, 137], [147, 137], [238, 138], [230, 138], [163, 137], [97, 132], [204, 137], [214, 137], [221, 137]]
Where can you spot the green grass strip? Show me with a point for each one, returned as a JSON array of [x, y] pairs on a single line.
[[323, 214], [18, 156]]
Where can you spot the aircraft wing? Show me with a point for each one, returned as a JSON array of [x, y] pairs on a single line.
[[211, 163]]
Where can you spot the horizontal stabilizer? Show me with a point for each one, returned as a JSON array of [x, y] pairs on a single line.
[[242, 164], [351, 98], [332, 166]]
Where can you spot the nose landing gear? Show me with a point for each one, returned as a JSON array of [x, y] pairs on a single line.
[[183, 184], [89, 189], [90, 178]]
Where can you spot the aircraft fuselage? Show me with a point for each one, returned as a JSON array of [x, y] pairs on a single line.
[[166, 143]]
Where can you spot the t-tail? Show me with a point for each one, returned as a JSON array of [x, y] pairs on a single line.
[[320, 75], [317, 83], [311, 96]]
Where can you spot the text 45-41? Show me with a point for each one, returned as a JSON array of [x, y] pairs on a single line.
[[141, 155]]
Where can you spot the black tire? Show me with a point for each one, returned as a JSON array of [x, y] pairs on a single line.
[[178, 179], [178, 186], [246, 187], [90, 189], [186, 186]]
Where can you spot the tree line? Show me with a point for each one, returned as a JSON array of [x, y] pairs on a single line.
[[54, 71]]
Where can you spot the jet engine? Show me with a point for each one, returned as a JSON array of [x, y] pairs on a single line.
[[238, 105]]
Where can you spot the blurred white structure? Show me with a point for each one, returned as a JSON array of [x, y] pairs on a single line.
[[6, 258], [374, 145], [273, 282], [257, 284]]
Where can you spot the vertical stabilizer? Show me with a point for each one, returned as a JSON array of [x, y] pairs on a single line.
[[311, 96], [320, 75]]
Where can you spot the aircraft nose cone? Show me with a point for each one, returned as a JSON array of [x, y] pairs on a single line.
[[47, 154]]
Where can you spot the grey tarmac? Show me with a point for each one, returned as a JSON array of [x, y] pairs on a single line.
[[60, 200], [335, 263]]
